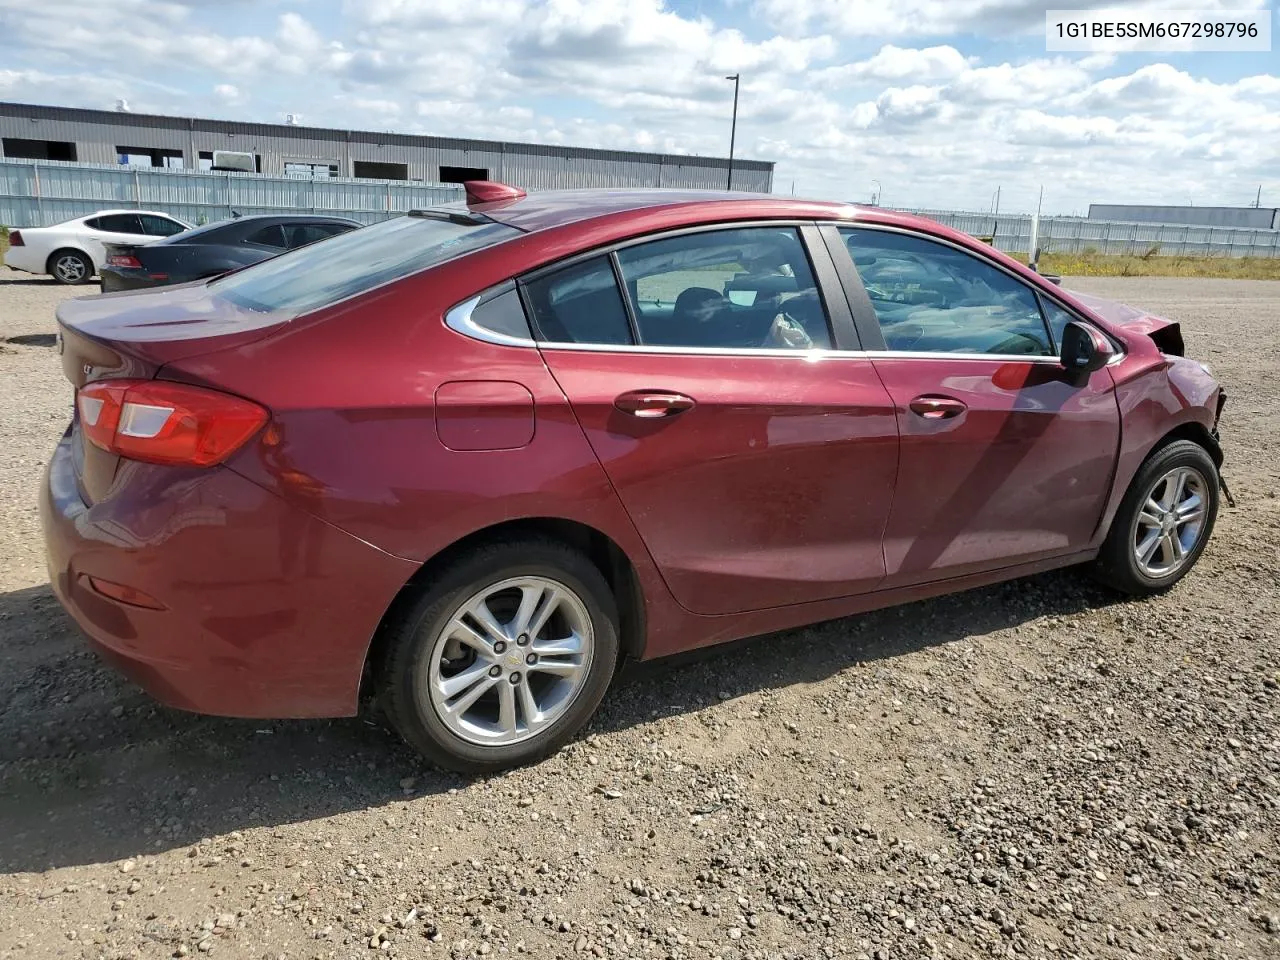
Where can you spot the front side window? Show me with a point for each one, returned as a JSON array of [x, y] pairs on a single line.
[[747, 287], [321, 274], [932, 298], [1058, 319], [154, 226]]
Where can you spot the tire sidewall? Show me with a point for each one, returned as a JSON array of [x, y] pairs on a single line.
[[1182, 453], [416, 716]]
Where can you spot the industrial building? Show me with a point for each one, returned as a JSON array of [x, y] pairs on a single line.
[[30, 132], [1256, 218]]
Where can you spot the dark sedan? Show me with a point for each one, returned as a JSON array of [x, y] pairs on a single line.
[[214, 249]]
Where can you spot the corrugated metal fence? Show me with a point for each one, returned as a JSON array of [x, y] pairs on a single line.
[[42, 193], [1012, 234]]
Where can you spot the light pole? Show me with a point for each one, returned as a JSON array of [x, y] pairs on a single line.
[[733, 130], [876, 200]]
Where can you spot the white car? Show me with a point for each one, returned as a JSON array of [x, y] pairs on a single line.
[[72, 251]]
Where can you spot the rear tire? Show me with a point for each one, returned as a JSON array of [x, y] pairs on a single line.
[[502, 657], [70, 267], [1163, 523]]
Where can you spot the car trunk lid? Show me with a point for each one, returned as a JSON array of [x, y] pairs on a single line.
[[133, 335]]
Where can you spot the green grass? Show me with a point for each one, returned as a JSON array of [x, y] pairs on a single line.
[[1089, 263]]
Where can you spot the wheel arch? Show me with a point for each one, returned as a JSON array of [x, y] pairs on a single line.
[[609, 558], [1196, 432], [67, 248]]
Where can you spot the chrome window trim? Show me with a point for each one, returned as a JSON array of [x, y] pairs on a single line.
[[929, 355], [458, 319], [776, 352]]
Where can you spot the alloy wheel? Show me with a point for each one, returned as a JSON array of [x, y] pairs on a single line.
[[510, 661], [1170, 523], [69, 268]]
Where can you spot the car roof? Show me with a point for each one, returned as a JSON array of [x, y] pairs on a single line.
[[285, 217], [104, 213], [545, 210]]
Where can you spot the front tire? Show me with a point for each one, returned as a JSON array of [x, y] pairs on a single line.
[[1163, 523], [70, 267], [503, 657]]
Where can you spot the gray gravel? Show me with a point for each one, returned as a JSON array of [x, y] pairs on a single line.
[[1033, 769]]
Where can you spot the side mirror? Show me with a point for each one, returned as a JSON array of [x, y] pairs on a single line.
[[1084, 350]]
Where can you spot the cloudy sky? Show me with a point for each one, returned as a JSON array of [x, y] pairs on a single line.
[[941, 101]]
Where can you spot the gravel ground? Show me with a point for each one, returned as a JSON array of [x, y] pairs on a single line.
[[1033, 769]]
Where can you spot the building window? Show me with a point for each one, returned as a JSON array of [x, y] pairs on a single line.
[[149, 157], [463, 174], [373, 170], [16, 148], [308, 169], [205, 161]]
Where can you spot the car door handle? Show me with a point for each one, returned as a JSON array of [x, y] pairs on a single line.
[[937, 408], [651, 404]]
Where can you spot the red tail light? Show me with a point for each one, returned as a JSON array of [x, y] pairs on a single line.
[[124, 260], [15, 239], [162, 422]]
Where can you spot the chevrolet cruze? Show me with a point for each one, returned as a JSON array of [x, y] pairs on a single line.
[[464, 461]]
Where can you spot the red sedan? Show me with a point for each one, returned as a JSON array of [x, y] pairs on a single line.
[[467, 459]]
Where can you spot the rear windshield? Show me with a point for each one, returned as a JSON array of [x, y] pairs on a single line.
[[330, 270]]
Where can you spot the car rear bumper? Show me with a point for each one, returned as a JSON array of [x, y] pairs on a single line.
[[113, 279], [25, 259], [267, 611]]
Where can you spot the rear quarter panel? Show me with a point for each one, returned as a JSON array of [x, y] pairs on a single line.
[[354, 438]]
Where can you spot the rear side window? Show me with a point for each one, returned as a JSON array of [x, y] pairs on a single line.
[[315, 276], [580, 304], [300, 234], [117, 223], [270, 236]]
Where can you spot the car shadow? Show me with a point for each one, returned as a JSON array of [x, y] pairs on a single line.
[[15, 279], [92, 770], [34, 340]]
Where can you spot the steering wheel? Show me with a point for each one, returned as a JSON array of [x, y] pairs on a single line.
[[903, 336]]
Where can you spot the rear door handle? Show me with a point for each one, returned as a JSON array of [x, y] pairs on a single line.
[[651, 404], [937, 408]]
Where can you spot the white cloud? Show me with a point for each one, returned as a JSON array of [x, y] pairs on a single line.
[[228, 94], [896, 64], [936, 124]]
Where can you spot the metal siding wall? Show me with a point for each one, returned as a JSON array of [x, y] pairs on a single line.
[[533, 167]]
